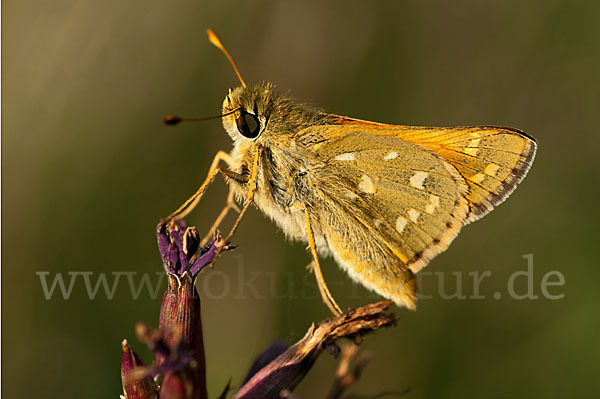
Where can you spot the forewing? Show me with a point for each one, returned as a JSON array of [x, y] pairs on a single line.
[[405, 195], [492, 160], [470, 170]]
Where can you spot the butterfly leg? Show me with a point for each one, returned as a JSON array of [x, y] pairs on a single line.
[[214, 170], [323, 289], [249, 198], [228, 206]]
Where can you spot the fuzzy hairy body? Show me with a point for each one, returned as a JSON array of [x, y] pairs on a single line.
[[382, 199]]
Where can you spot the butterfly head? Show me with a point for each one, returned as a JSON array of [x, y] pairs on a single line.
[[259, 114], [250, 109]]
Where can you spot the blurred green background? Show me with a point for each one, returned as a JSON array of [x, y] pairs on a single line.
[[88, 169]]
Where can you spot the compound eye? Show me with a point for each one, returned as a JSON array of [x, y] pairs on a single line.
[[248, 125]]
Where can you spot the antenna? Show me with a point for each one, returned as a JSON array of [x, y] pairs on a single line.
[[172, 120], [214, 39]]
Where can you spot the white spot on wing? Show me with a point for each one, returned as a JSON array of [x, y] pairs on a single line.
[[366, 184], [418, 179], [413, 214], [347, 156], [472, 149], [391, 155], [478, 178], [401, 224], [491, 169], [377, 223], [434, 202]]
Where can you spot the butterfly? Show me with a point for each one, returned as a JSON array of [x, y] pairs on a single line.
[[382, 199]]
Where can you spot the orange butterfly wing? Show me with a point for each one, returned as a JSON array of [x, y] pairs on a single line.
[[491, 160]]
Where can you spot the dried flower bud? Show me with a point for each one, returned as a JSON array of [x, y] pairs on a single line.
[[180, 323], [179, 247], [134, 387]]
